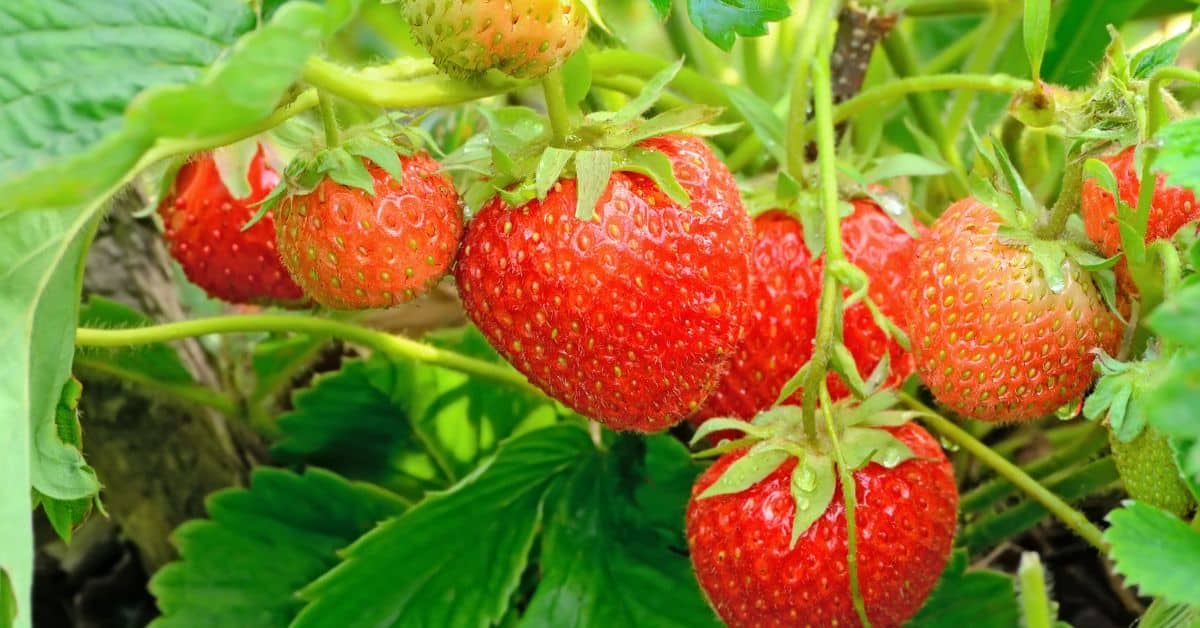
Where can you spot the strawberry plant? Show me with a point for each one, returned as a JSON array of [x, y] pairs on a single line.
[[599, 313]]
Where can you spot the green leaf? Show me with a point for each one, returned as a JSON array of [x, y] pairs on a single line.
[[1170, 407], [1099, 171], [814, 480], [244, 565], [978, 598], [861, 446], [1155, 551], [662, 7], [746, 471], [603, 562], [1080, 38], [1036, 28], [721, 424], [406, 425], [1179, 153], [843, 364], [649, 95], [479, 532], [65, 514], [762, 118], [1175, 320], [722, 21], [658, 167], [1182, 451], [904, 165], [1163, 614], [1162, 54], [8, 600], [592, 170], [550, 168]]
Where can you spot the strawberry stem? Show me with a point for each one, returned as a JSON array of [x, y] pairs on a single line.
[[1063, 511], [1067, 202], [818, 23], [328, 120], [830, 290], [360, 88], [394, 346], [851, 501], [556, 107]]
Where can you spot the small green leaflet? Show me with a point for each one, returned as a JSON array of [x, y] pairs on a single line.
[[550, 168], [656, 166], [1180, 153], [814, 480], [1036, 28], [746, 471], [903, 165], [1155, 551], [861, 446], [1175, 320], [1162, 54], [722, 21], [592, 170]]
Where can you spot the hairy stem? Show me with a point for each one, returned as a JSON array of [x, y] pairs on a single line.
[[817, 24], [830, 291], [328, 120], [556, 106], [393, 346], [1063, 511], [435, 92], [1067, 202]]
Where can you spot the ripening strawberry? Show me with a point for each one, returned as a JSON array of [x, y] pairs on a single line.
[[628, 318], [1171, 208], [990, 338], [203, 227], [521, 38], [352, 250], [785, 285], [905, 516]]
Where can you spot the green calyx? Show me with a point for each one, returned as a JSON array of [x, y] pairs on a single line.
[[519, 160], [381, 142], [777, 435], [1119, 393]]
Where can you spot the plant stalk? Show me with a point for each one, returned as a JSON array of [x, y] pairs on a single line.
[[556, 106]]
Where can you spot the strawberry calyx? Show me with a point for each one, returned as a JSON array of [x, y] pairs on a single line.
[[519, 160], [1117, 398], [381, 142], [777, 434]]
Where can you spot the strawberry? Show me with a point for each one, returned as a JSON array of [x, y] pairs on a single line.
[[755, 575], [1171, 208], [991, 339], [784, 290], [630, 317], [1149, 472], [521, 38], [202, 225], [351, 249]]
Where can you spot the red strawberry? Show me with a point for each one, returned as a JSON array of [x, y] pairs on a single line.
[[990, 338], [784, 290], [354, 250], [1171, 208], [522, 38], [203, 223], [742, 553], [629, 318]]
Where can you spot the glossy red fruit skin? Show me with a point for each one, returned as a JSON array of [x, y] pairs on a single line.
[[785, 287], [202, 224], [905, 520], [1171, 208], [990, 340], [350, 250], [629, 318]]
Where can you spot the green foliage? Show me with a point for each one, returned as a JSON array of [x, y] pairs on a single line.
[[1080, 38], [69, 158], [244, 565], [722, 21], [599, 538], [65, 514], [159, 362], [979, 598], [436, 548], [1180, 150], [1155, 551]]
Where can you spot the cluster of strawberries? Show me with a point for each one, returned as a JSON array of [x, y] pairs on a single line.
[[656, 311]]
